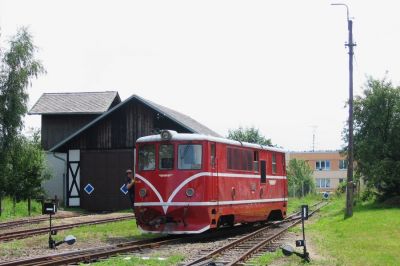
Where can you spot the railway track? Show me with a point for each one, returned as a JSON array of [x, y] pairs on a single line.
[[231, 254], [44, 230], [94, 254], [241, 249], [6, 225], [15, 223]]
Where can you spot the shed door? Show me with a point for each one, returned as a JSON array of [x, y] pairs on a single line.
[[73, 178], [105, 170]]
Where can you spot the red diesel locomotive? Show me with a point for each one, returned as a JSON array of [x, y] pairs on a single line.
[[189, 183]]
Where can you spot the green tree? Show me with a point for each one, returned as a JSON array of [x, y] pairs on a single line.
[[249, 134], [377, 137], [300, 180], [17, 68], [28, 168]]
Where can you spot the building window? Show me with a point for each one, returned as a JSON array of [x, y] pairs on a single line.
[[166, 157], [147, 157], [189, 156], [323, 165], [342, 164], [274, 163], [323, 182], [239, 159], [341, 180]]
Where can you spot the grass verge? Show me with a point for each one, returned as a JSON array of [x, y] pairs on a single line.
[[370, 237], [294, 204]]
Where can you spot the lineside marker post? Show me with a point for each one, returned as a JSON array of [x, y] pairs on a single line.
[[299, 243], [289, 250], [50, 208]]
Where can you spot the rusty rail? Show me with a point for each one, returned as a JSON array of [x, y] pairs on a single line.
[[89, 255], [43, 230], [267, 233]]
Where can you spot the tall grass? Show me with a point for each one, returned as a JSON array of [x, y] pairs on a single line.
[[21, 209], [370, 237]]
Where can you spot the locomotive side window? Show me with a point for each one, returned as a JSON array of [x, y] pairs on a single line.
[[213, 155], [189, 156], [274, 163], [239, 159], [255, 161], [147, 157], [166, 157]]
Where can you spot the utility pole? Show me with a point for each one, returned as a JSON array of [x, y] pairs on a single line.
[[350, 157]]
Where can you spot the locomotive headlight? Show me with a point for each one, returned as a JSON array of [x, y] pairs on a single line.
[[189, 192], [142, 192], [166, 135]]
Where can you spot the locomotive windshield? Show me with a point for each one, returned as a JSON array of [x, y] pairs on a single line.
[[166, 157], [147, 157], [189, 156]]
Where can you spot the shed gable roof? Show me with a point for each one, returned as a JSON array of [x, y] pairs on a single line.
[[75, 103], [181, 119]]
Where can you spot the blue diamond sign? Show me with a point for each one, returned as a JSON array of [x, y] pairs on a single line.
[[89, 189], [124, 189]]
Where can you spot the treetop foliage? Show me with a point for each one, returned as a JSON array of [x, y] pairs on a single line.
[[21, 159], [300, 180], [18, 66], [377, 136], [249, 134]]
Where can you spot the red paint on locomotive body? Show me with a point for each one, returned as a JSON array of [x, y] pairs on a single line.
[[189, 183]]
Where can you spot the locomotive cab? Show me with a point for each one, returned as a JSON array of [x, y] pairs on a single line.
[[171, 182]]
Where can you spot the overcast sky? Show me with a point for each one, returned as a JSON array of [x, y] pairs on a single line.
[[280, 66]]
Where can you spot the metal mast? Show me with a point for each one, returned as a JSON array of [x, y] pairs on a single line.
[[350, 151]]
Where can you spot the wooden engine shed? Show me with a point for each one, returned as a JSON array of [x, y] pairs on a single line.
[[100, 149]]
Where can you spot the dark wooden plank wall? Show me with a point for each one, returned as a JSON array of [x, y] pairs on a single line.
[[105, 171], [55, 128], [119, 130]]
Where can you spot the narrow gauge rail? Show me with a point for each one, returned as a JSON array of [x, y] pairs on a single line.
[[243, 248], [23, 222], [15, 223], [43, 230], [94, 254]]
